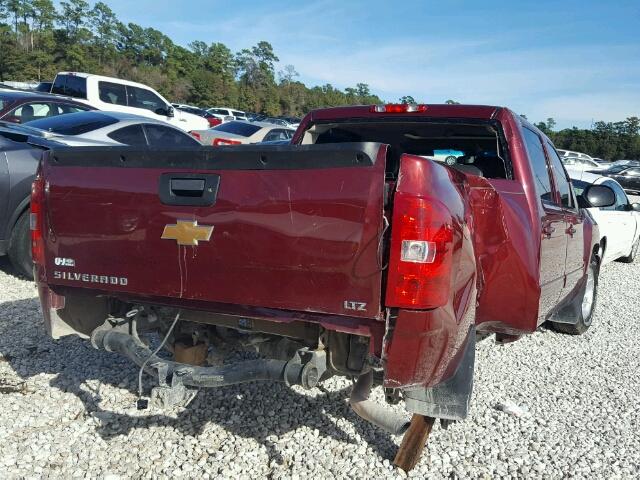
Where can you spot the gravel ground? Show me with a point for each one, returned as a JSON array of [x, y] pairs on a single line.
[[68, 411]]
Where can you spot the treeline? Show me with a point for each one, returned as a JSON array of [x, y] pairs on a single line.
[[37, 40], [607, 140]]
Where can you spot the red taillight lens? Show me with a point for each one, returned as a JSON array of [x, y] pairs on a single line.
[[398, 108], [196, 135], [36, 220], [214, 121], [421, 253], [225, 141]]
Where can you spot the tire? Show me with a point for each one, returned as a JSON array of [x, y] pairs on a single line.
[[632, 254], [584, 305], [19, 251]]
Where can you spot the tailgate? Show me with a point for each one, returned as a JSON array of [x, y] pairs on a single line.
[[289, 227]]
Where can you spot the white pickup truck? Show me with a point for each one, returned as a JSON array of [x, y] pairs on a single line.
[[116, 95]]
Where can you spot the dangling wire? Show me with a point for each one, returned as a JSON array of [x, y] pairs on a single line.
[[144, 364]]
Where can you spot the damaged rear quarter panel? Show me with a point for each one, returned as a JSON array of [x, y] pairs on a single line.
[[423, 346], [496, 285]]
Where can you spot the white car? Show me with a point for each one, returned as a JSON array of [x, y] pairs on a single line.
[[570, 153], [223, 112], [243, 133], [116, 95], [581, 163], [619, 224], [96, 128]]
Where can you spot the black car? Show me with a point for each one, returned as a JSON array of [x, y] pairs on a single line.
[[626, 175]]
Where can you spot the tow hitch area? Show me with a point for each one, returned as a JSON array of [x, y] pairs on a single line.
[[176, 380], [285, 359]]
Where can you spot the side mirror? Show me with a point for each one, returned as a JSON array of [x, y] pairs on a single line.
[[168, 111], [599, 196]]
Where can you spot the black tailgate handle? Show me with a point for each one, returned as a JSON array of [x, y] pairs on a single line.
[[195, 189]]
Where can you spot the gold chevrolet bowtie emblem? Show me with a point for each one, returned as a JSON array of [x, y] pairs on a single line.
[[187, 232]]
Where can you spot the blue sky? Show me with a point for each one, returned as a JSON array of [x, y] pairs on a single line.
[[576, 61]]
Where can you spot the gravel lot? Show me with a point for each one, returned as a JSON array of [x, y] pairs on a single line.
[[67, 410]]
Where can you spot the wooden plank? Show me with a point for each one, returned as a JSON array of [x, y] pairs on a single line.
[[413, 442]]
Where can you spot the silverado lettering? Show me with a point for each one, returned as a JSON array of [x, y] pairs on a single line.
[[89, 278]]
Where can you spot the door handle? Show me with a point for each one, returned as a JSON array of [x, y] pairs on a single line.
[[548, 230], [187, 187], [192, 189]]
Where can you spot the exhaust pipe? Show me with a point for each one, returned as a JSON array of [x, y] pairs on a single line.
[[388, 420], [291, 372]]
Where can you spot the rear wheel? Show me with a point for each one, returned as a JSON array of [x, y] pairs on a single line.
[[584, 305], [20, 247], [632, 255]]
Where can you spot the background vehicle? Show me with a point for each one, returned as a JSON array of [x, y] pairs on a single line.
[[116, 95], [291, 122], [17, 106], [580, 163], [273, 120], [21, 147], [237, 133], [627, 175], [212, 119], [223, 112], [635, 163], [330, 255], [571, 153], [618, 224], [44, 87]]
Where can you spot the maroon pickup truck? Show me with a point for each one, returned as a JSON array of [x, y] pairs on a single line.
[[352, 252]]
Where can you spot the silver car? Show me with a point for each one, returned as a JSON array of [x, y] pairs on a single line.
[[110, 128], [238, 133]]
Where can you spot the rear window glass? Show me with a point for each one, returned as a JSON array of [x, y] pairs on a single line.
[[238, 128], [237, 114], [70, 85], [74, 123]]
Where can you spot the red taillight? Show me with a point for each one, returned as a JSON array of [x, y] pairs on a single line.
[[36, 220], [225, 141], [398, 108], [196, 135], [214, 121], [421, 253]]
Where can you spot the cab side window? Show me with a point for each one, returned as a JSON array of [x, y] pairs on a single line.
[[114, 93], [561, 177], [538, 161]]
